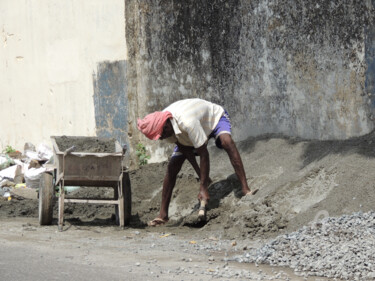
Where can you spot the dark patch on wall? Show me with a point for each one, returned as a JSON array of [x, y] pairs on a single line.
[[181, 38], [338, 24], [370, 60], [111, 101], [194, 25]]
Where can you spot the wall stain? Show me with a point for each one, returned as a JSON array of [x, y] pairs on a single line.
[[110, 100]]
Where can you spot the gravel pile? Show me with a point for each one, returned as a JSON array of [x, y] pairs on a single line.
[[342, 247]]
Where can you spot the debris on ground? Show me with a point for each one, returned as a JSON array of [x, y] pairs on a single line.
[[22, 169]]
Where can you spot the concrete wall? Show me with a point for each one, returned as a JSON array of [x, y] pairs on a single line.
[[300, 68], [51, 55]]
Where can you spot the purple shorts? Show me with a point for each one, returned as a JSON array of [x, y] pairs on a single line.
[[223, 127]]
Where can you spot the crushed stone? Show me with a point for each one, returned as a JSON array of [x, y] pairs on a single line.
[[335, 247]]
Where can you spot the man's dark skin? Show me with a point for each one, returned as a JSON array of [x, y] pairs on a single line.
[[175, 164]]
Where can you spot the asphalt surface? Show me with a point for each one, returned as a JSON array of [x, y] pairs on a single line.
[[32, 252]]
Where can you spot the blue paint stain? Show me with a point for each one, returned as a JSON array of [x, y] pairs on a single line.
[[111, 101]]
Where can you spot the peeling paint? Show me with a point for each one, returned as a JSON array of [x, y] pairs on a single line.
[[5, 36], [110, 101]]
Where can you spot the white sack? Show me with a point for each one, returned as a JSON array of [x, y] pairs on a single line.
[[11, 172], [32, 177]]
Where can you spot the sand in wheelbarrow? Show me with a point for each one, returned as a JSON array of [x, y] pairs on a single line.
[[87, 144]]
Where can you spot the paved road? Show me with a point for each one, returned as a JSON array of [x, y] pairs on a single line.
[[20, 263], [34, 253]]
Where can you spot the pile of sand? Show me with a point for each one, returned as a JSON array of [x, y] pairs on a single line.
[[300, 181]]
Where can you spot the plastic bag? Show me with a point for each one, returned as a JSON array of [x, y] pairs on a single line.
[[5, 161], [44, 152]]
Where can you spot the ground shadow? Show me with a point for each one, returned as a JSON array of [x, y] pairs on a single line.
[[136, 222], [217, 191], [76, 221], [221, 189], [315, 150]]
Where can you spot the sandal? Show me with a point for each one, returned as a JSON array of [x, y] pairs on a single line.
[[157, 222], [252, 192]]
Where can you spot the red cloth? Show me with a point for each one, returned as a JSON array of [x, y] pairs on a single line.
[[152, 125]]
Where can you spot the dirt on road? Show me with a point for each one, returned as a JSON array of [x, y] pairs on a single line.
[[299, 182]]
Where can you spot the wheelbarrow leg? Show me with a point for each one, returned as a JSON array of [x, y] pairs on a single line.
[[121, 206], [61, 207], [62, 190]]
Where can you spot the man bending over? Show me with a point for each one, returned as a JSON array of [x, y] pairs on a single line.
[[190, 123]]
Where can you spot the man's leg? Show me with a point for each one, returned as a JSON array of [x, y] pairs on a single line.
[[174, 167], [235, 158]]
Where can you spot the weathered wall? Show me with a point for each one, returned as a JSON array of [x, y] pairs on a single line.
[[51, 55], [110, 101], [301, 68]]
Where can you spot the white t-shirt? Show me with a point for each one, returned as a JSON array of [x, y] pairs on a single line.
[[193, 121]]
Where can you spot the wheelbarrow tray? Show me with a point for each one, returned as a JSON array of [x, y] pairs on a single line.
[[88, 168]]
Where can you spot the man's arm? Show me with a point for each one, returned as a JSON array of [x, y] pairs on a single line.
[[190, 155], [204, 172]]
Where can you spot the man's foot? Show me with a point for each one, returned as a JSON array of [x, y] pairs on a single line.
[[157, 222], [252, 192]]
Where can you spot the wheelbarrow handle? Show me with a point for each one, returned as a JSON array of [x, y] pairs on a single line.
[[69, 150]]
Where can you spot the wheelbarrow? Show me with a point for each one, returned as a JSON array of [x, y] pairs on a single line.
[[72, 167]]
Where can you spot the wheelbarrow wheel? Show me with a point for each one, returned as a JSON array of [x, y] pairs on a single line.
[[46, 199], [127, 200]]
